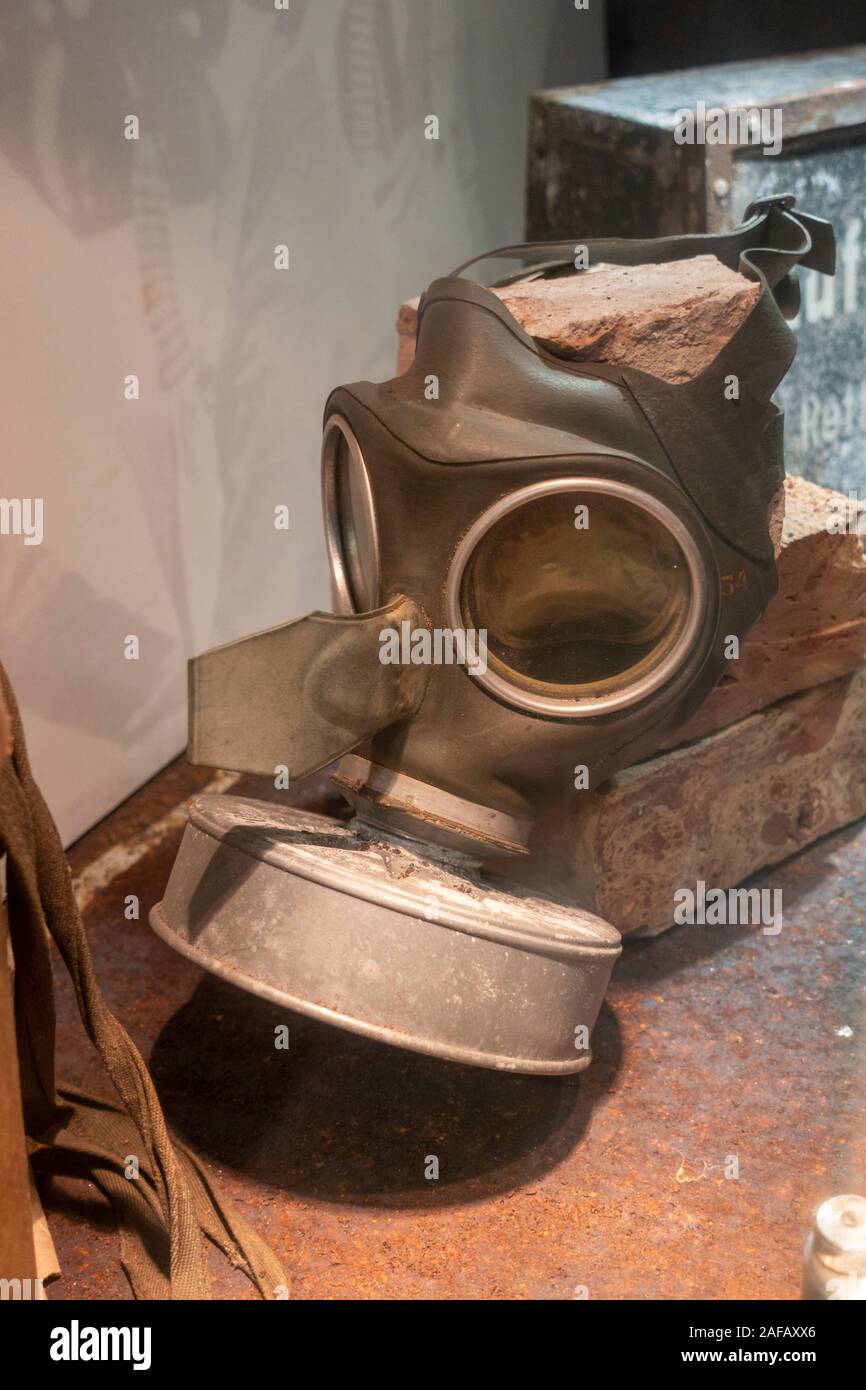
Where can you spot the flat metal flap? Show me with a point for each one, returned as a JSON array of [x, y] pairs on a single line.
[[822, 255]]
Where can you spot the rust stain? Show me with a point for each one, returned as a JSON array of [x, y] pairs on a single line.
[[684, 1175], [713, 1042]]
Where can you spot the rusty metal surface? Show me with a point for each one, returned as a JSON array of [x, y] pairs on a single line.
[[714, 1042]]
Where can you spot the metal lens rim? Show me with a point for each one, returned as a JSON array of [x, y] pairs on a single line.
[[534, 703], [345, 597]]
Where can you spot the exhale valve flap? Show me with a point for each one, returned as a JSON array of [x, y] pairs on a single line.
[[301, 694]]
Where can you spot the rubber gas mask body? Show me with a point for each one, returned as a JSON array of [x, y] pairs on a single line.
[[538, 564]]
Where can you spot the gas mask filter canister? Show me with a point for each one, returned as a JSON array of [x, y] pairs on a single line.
[[527, 575]]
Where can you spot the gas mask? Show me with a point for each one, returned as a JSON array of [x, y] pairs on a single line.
[[538, 569]]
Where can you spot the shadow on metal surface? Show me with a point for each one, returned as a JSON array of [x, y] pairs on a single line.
[[345, 1119]]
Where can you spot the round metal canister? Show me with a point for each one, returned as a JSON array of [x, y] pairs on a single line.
[[836, 1250], [385, 937]]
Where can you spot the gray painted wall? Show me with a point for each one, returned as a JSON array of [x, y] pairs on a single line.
[[154, 257]]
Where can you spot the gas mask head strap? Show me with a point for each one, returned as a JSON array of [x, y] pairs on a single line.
[[769, 243]]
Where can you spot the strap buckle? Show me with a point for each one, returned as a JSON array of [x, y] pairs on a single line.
[[783, 201]]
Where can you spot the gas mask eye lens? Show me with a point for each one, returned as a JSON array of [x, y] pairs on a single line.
[[589, 590], [577, 607], [350, 519]]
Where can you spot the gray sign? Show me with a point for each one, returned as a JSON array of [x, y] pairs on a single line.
[[824, 395]]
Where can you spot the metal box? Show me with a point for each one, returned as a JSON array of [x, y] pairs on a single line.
[[604, 161]]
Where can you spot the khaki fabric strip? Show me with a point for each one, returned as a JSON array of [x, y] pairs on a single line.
[[165, 1214]]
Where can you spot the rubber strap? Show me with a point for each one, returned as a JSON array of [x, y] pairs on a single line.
[[783, 238]]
